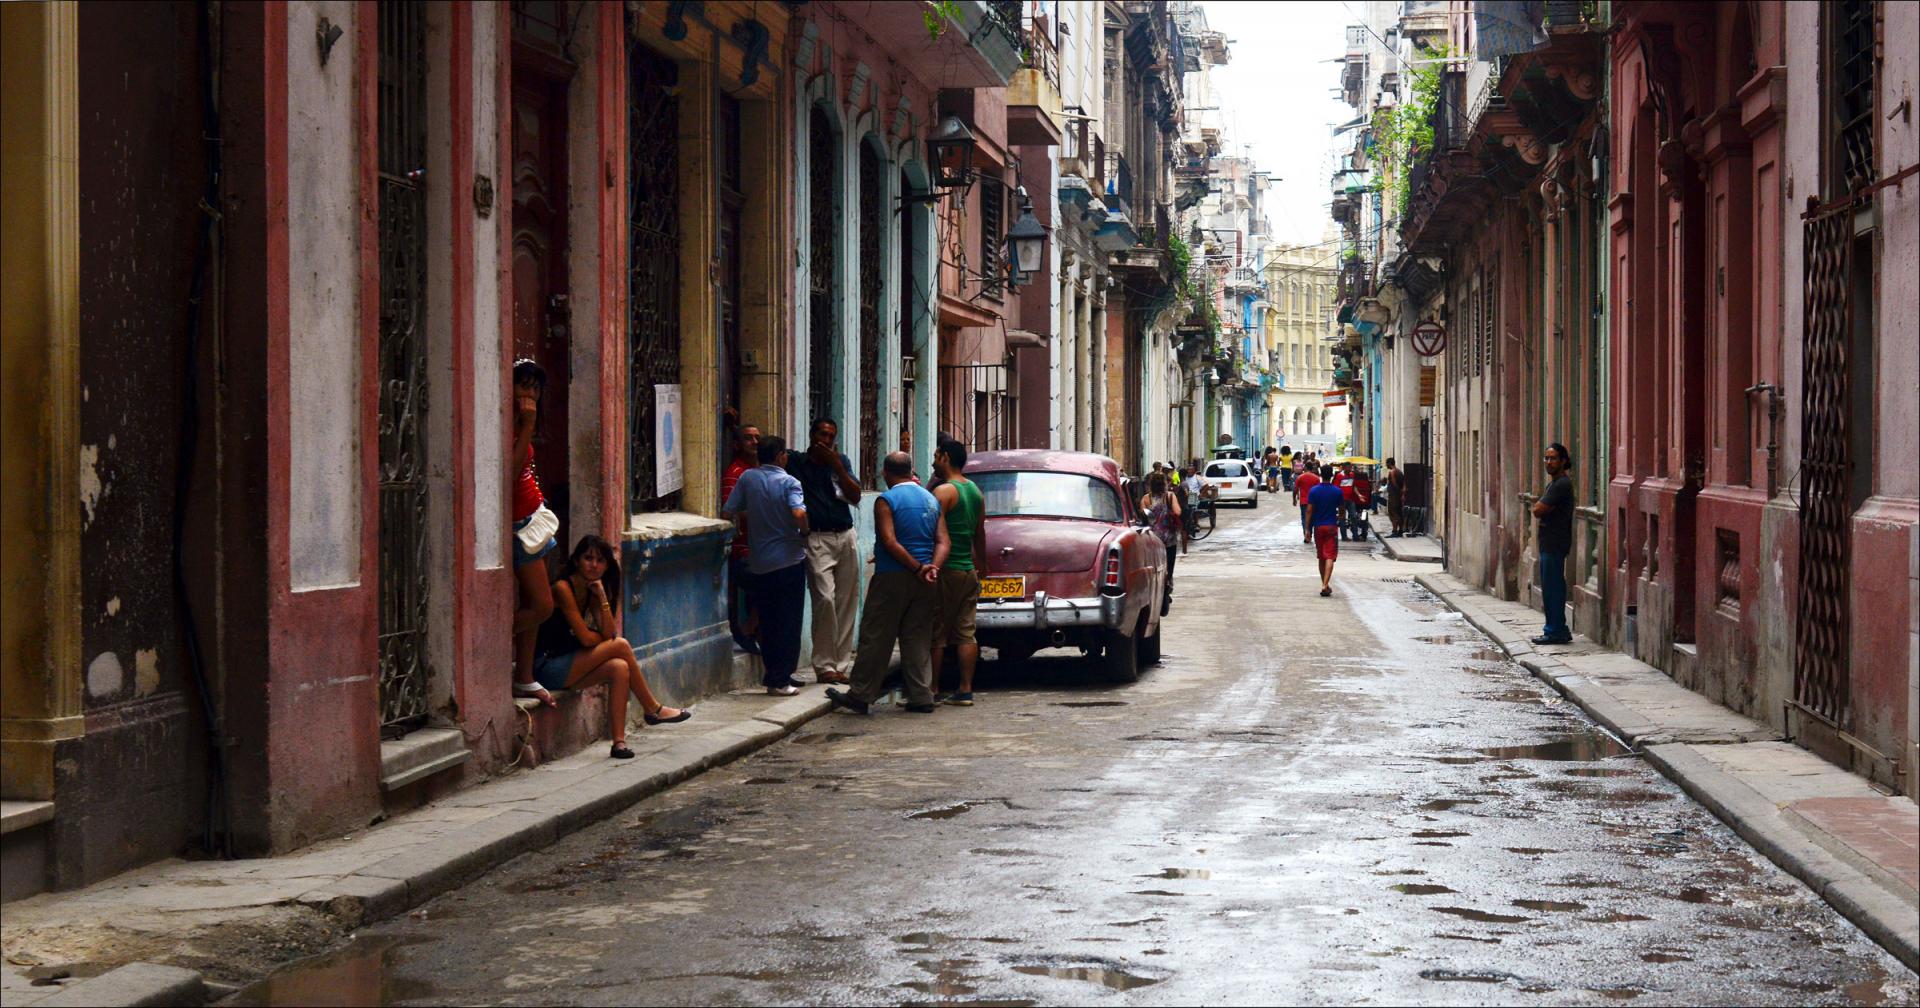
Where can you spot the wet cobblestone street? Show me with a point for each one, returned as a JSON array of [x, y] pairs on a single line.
[[1345, 800]]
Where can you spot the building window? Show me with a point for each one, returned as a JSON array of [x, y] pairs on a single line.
[[993, 214], [653, 261]]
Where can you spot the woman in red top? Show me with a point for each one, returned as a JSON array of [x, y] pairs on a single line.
[[531, 520]]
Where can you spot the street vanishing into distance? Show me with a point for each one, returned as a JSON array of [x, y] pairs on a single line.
[[1355, 799]]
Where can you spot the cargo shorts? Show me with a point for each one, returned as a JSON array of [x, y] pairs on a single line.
[[959, 599]]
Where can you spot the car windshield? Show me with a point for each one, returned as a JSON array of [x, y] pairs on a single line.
[[1226, 469], [1049, 495]]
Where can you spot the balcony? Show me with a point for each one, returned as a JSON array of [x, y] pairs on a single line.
[[978, 46], [1034, 115]]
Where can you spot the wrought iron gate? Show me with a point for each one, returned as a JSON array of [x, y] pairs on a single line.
[[871, 272], [653, 261], [402, 94], [1822, 643], [823, 222]]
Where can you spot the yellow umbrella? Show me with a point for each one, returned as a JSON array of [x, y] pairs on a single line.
[[1358, 460]]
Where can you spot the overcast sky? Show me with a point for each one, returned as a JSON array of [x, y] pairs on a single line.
[[1280, 98]]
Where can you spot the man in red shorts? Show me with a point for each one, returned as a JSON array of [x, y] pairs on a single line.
[[1324, 501]]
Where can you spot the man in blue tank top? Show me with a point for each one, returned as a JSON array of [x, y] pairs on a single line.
[[911, 544]]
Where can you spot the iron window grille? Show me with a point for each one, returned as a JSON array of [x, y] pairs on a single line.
[[872, 273], [823, 222], [653, 263]]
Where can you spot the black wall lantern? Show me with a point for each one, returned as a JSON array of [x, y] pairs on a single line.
[[951, 151], [1026, 241]]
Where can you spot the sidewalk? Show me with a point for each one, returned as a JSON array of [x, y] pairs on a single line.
[[230, 922], [1414, 548], [1859, 849]]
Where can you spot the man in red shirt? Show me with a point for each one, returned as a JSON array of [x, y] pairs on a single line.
[[1362, 504], [1302, 483], [741, 619], [1343, 478]]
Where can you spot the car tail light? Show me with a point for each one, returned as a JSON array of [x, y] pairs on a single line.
[[1112, 579], [1251, 485]]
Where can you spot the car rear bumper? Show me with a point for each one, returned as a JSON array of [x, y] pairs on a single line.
[[1043, 613]]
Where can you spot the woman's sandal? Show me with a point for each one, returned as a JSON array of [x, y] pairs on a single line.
[[620, 751], [654, 717], [535, 690]]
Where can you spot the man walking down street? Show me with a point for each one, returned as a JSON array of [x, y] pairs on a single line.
[[833, 559], [1396, 488], [1286, 468], [1303, 485], [911, 542], [1325, 501], [741, 619], [963, 510], [1555, 511], [767, 506]]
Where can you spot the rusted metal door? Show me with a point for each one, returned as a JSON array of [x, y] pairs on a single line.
[[402, 133]]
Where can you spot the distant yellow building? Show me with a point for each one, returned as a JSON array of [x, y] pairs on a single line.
[[1300, 285]]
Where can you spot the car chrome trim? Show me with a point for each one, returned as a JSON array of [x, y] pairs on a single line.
[[1044, 613]]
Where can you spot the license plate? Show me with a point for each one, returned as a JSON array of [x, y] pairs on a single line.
[[1003, 587]]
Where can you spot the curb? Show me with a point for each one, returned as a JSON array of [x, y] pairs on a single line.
[[1885, 917], [393, 887], [139, 983]]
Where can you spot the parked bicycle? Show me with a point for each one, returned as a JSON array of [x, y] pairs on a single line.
[[1200, 520]]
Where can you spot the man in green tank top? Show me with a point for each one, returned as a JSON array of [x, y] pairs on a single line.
[[965, 510]]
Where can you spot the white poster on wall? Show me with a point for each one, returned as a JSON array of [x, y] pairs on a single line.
[[667, 476]]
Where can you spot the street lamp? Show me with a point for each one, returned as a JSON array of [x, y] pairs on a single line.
[[1026, 241], [952, 153]]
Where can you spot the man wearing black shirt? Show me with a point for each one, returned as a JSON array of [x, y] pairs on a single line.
[[831, 492], [1555, 511]]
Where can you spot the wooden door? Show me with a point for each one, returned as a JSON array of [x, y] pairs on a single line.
[[541, 319]]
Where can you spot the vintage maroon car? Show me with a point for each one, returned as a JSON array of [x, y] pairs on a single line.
[[1067, 562]]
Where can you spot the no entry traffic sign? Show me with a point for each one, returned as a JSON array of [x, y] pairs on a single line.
[[1429, 338]]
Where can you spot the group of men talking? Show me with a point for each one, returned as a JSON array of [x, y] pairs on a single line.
[[795, 540]]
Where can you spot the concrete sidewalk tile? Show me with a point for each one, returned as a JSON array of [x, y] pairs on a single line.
[[358, 899], [435, 867], [1885, 831], [139, 983], [589, 802]]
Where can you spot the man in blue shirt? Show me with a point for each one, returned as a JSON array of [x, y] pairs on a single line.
[[910, 539], [1324, 501], [768, 507]]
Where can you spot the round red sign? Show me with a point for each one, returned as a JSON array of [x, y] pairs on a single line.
[[1429, 338]]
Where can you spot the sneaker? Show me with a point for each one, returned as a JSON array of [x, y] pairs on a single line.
[[918, 708], [1544, 639], [783, 690], [846, 701], [957, 699]]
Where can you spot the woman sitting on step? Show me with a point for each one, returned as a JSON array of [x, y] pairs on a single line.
[[580, 644]]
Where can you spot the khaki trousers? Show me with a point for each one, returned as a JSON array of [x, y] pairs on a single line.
[[833, 583], [900, 607]]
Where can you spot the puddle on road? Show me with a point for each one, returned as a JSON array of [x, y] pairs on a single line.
[[1420, 889], [1664, 957], [1615, 918], [958, 808], [1179, 873], [1579, 749], [1602, 771], [823, 738], [1437, 833], [1483, 916], [1549, 906], [1530, 850], [1092, 703], [1443, 804], [1115, 979], [361, 973], [1469, 976], [765, 780], [1695, 894]]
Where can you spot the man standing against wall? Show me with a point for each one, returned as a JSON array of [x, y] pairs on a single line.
[[833, 559], [964, 509], [1555, 511], [767, 507], [1396, 488], [910, 543]]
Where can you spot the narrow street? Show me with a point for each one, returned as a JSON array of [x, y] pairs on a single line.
[[1312, 800]]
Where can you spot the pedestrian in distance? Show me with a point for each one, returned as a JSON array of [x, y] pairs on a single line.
[[1270, 461], [534, 525], [910, 539], [1288, 467], [1363, 502], [1325, 500], [963, 509], [1555, 511], [741, 619], [1349, 500], [1396, 494], [768, 506], [580, 646], [833, 558], [1161, 506], [1303, 485]]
